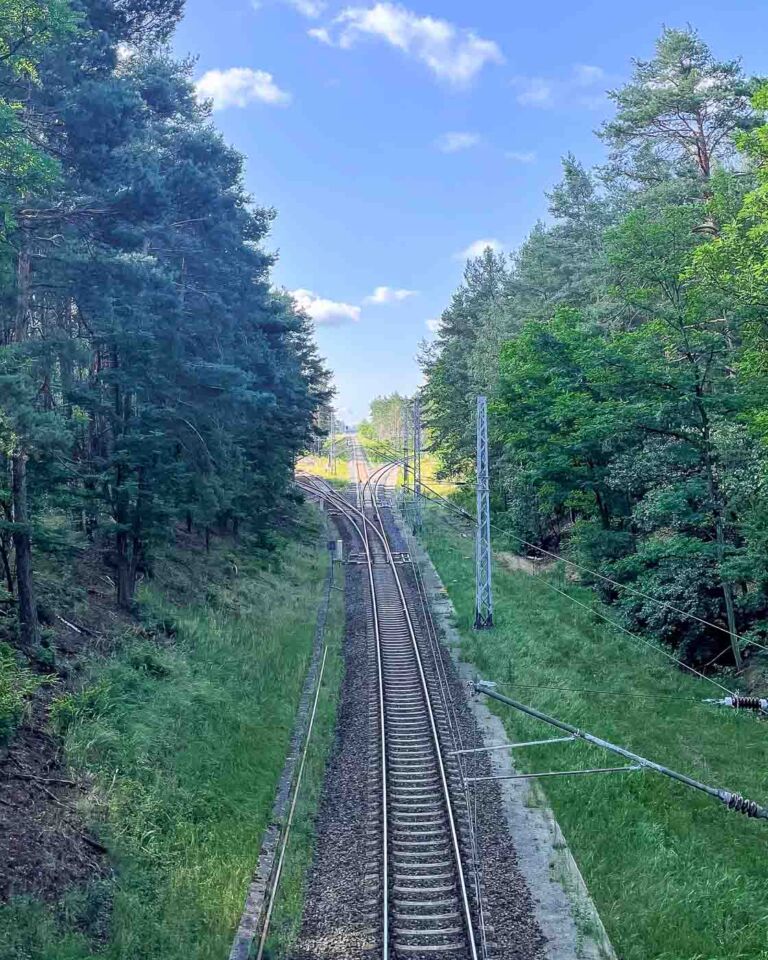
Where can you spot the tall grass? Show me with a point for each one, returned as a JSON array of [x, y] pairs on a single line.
[[17, 685], [675, 876], [286, 920], [184, 744]]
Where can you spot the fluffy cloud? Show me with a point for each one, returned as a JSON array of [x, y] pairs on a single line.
[[239, 86], [453, 54], [534, 92], [312, 9], [332, 313], [433, 325], [477, 249], [581, 88], [389, 295], [322, 34], [457, 140], [585, 75], [521, 156]]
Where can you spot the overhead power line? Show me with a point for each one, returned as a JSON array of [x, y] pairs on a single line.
[[732, 699], [600, 576], [614, 623], [595, 573], [733, 801]]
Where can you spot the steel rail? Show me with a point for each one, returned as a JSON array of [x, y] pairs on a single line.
[[453, 724], [346, 508], [330, 494], [433, 726]]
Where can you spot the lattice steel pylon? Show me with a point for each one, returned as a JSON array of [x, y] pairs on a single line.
[[406, 443], [483, 591], [416, 465], [332, 448]]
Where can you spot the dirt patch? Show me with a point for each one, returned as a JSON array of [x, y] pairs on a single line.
[[530, 565], [45, 848]]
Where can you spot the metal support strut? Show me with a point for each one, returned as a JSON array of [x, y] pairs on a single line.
[[416, 465], [483, 594], [406, 443], [734, 801], [332, 447]]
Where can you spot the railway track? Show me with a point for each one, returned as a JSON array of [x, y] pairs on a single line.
[[422, 883]]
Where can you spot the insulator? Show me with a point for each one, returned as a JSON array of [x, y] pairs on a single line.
[[740, 804], [747, 703]]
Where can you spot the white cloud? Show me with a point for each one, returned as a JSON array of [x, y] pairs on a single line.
[[433, 325], [332, 313], [239, 86], [521, 156], [389, 295], [321, 34], [534, 92], [452, 53], [580, 89], [586, 75], [457, 140], [312, 9], [477, 249]]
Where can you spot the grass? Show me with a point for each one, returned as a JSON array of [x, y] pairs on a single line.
[[380, 452], [286, 920], [674, 875], [183, 743], [17, 685], [430, 466], [318, 467]]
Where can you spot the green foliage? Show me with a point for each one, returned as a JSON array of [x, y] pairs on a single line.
[[623, 349], [680, 108], [673, 874], [27, 29], [149, 374], [385, 420], [197, 730], [17, 685]]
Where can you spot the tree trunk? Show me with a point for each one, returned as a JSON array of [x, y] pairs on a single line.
[[124, 579], [605, 515], [29, 629], [6, 565], [717, 508], [125, 576]]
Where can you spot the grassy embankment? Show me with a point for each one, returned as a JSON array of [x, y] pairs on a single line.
[[183, 741], [380, 452], [675, 876], [319, 465]]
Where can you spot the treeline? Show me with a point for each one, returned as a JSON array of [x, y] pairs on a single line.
[[149, 374], [624, 351], [386, 420]]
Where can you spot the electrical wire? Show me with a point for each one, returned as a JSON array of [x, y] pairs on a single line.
[[598, 693], [629, 633], [600, 576]]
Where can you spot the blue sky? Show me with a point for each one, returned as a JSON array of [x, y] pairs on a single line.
[[392, 137]]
